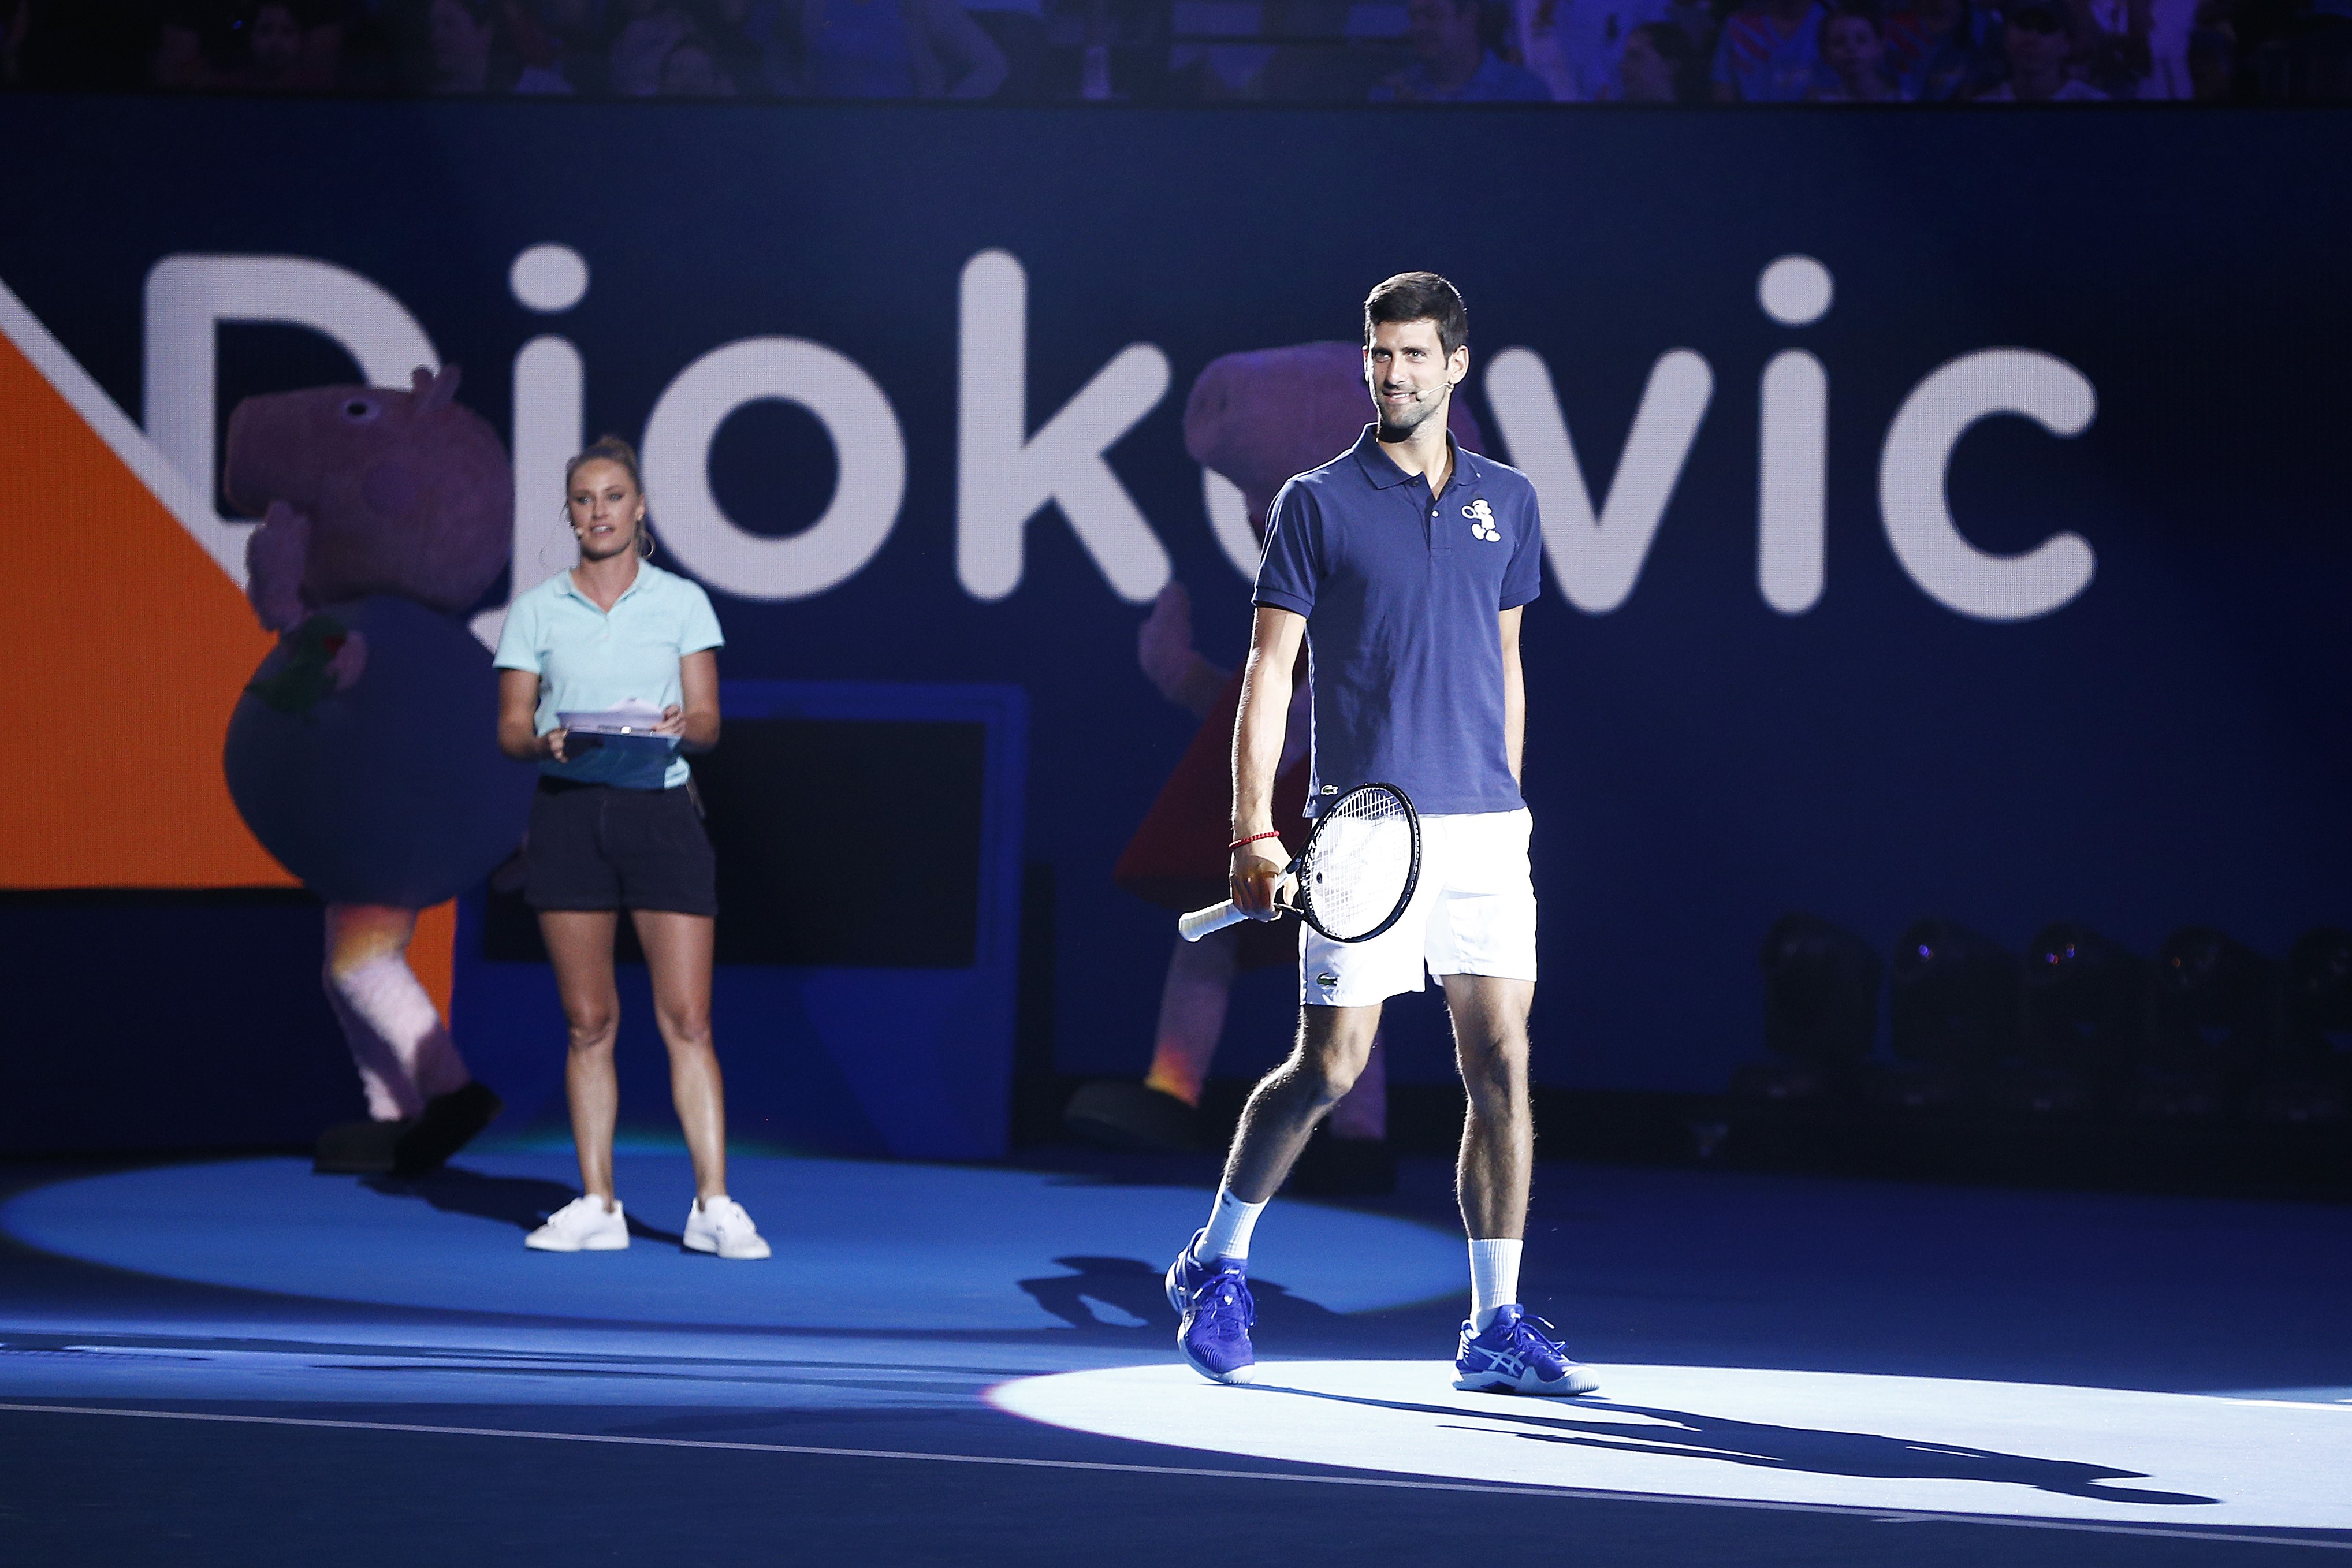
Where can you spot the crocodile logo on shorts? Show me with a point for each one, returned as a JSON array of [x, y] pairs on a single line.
[[1327, 979], [1482, 521]]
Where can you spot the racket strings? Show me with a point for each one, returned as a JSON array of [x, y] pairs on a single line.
[[1357, 868]]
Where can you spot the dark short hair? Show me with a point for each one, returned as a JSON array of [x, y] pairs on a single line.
[[2037, 17], [1419, 296]]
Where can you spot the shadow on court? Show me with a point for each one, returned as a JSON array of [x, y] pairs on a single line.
[[1865, 1455], [1123, 1295], [520, 1201]]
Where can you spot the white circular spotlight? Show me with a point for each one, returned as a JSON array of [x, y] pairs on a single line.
[[549, 278], [2088, 1458], [1795, 290]]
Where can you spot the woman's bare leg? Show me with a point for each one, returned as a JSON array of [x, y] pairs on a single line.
[[679, 953], [580, 944]]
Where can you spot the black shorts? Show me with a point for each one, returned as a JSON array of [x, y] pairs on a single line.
[[595, 847]]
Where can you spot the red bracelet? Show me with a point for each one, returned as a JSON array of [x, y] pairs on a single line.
[[1269, 833]]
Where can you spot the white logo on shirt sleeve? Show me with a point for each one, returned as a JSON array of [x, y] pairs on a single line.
[[1482, 521]]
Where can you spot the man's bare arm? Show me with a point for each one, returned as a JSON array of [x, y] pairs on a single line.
[[1257, 756], [1514, 693]]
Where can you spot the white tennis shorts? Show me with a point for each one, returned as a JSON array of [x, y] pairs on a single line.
[[1473, 913]]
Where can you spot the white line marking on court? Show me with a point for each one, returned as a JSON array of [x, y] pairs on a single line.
[[2345, 1406], [1882, 1516]]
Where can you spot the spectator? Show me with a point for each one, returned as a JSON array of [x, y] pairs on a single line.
[[2171, 26], [559, 47], [2213, 64], [1540, 34], [1661, 65], [1770, 53], [2111, 43], [649, 31], [188, 36], [1017, 28], [469, 48], [539, 56], [1591, 35], [261, 45], [273, 58], [1945, 50], [1699, 22], [1854, 50], [1454, 59], [692, 70], [2036, 44], [897, 48], [741, 38]]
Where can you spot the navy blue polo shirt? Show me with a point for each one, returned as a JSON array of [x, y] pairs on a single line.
[[1400, 589]]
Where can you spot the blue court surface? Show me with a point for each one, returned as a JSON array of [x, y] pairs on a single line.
[[239, 1362]]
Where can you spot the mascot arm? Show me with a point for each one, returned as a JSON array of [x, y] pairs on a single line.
[[275, 559], [1163, 646]]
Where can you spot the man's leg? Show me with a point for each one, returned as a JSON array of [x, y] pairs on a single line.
[[1502, 1352], [1192, 1018], [1499, 1133], [1207, 1285], [1333, 1043]]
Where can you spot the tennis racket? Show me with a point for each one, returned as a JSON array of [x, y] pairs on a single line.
[[1352, 880]]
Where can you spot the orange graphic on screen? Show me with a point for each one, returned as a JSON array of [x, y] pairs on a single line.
[[132, 647]]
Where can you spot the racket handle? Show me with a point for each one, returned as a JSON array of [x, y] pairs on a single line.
[[1216, 917]]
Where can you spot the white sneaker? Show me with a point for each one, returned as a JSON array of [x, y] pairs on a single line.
[[719, 1225], [583, 1225]]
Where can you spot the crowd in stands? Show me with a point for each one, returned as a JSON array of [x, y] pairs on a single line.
[[1200, 51]]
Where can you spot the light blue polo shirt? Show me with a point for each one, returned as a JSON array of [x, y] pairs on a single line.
[[588, 660], [1400, 589]]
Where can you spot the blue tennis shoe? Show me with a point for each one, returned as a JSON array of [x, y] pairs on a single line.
[[1216, 1314], [1516, 1355]]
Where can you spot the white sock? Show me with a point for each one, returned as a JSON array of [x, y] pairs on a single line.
[[1228, 1232], [410, 1058], [1493, 1280]]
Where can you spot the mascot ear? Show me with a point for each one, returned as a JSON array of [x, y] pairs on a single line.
[[434, 391]]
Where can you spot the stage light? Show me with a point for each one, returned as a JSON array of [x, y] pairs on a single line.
[[2213, 1022], [2319, 989], [2305, 1080], [2085, 1010], [1821, 1009], [1954, 1011]]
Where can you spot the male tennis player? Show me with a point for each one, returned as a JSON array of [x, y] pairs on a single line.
[[1404, 563]]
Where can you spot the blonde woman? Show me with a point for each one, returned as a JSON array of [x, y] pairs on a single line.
[[614, 826]]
